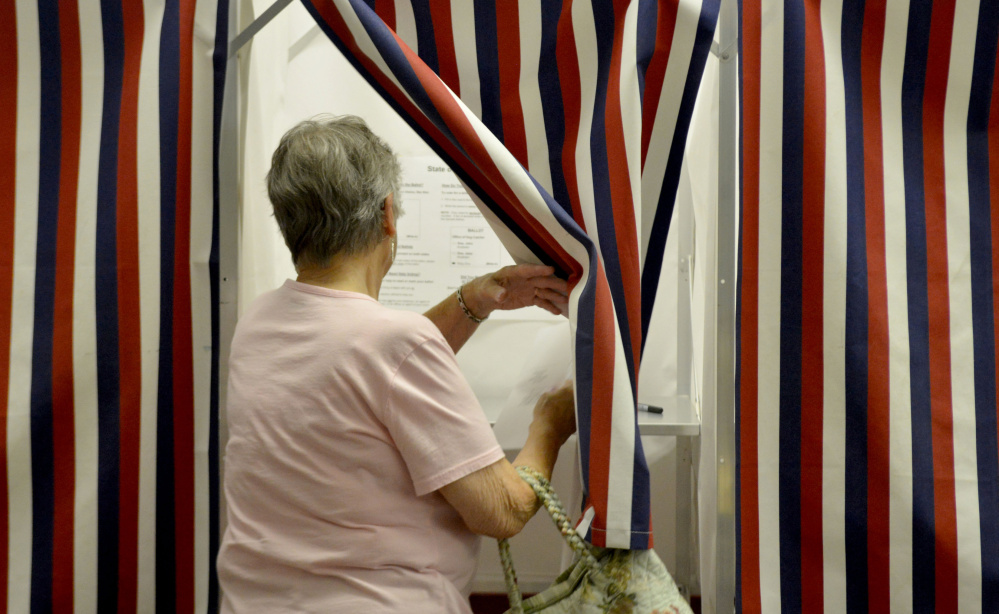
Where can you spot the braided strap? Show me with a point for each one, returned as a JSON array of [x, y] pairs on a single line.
[[510, 576], [550, 501]]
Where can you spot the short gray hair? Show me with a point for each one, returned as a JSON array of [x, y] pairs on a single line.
[[328, 181]]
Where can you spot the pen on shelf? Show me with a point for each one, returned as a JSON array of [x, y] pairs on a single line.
[[652, 409]]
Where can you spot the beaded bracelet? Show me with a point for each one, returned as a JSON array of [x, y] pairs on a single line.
[[468, 314]]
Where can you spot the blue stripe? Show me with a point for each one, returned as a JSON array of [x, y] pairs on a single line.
[[42, 466], [656, 249], [487, 57], [979, 193], [604, 21], [645, 40], [425, 42], [166, 532], [790, 306], [641, 497], [856, 350], [551, 99], [924, 523], [106, 303], [641, 528], [219, 63]]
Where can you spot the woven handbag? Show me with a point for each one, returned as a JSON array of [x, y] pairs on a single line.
[[601, 580]]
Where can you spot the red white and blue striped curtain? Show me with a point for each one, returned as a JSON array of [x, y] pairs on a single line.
[[868, 307], [109, 115], [567, 120]]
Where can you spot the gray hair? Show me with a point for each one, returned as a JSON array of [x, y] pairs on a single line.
[[328, 183]]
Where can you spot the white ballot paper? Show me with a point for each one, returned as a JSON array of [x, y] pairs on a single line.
[[444, 241], [546, 367]]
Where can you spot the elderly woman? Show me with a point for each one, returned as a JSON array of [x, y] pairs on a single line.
[[360, 469]]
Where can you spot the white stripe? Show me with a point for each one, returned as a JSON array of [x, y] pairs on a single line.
[[85, 315], [900, 406], [969, 547], [19, 523], [405, 24], [833, 321], [463, 24], [526, 193], [202, 89], [667, 112], [148, 163], [366, 46], [586, 521], [586, 57], [530, 93], [630, 99], [771, 124], [620, 488]]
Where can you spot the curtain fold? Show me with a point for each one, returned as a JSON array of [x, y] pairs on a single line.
[[867, 408], [567, 122], [108, 300]]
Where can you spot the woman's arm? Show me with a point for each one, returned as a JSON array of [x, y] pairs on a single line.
[[494, 500], [511, 287]]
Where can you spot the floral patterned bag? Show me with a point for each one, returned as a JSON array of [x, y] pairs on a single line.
[[601, 580]]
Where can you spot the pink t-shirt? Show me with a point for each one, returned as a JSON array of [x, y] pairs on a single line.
[[345, 417]]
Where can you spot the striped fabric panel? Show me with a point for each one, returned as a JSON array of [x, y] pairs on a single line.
[[547, 111], [867, 411], [8, 190], [108, 294]]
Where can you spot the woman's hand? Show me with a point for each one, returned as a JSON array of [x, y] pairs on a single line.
[[555, 413], [517, 286]]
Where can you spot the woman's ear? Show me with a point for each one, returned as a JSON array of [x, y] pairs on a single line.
[[388, 220]]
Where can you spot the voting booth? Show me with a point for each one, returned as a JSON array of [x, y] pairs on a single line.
[[784, 212], [444, 240]]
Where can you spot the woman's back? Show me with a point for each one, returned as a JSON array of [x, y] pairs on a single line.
[[345, 417]]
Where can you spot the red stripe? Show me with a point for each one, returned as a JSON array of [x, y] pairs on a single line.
[[945, 513], [508, 52], [447, 63], [63, 440], [812, 365], [386, 10], [878, 377], [602, 399], [8, 189], [568, 72], [655, 75], [129, 350], [749, 516], [183, 369], [994, 196], [622, 199]]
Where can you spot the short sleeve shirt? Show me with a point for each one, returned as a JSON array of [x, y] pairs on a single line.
[[345, 417]]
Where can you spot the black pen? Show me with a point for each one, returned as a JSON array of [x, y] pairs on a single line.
[[652, 409]]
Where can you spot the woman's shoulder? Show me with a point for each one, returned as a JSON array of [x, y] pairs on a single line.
[[405, 326]]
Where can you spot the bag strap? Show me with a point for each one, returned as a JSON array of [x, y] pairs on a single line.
[[550, 501]]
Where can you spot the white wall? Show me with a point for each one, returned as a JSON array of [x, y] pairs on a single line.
[[294, 73]]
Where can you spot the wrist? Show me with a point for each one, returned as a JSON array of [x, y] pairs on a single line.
[[547, 435], [471, 305]]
